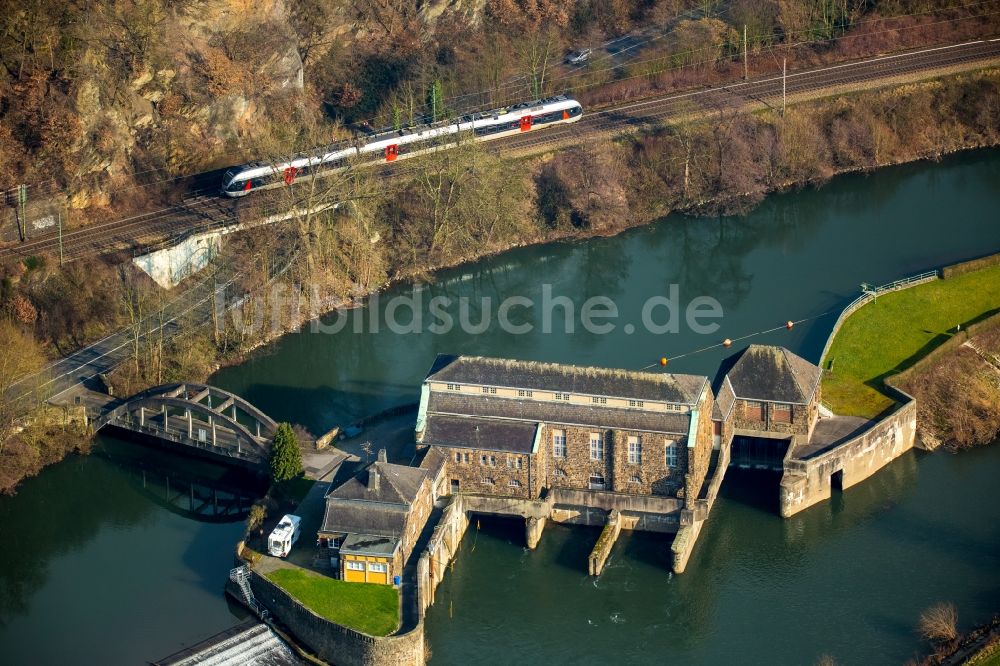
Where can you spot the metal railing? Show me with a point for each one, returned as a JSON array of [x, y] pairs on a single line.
[[871, 295]]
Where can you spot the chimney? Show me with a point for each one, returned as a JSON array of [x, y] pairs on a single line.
[[373, 478], [382, 456]]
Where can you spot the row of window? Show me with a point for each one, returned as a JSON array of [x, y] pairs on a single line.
[[597, 448], [517, 462], [596, 400], [374, 567], [489, 481], [780, 412]]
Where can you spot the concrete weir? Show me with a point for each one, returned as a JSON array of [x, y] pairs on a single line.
[[602, 549]]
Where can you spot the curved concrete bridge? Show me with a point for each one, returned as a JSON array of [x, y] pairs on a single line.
[[202, 419]]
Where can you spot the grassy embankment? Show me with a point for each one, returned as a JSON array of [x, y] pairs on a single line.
[[367, 607], [891, 334]]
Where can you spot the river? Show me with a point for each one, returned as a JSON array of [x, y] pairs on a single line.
[[98, 570]]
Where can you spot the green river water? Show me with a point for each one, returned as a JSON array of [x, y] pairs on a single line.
[[98, 569]]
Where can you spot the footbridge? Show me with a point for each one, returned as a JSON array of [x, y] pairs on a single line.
[[198, 418]]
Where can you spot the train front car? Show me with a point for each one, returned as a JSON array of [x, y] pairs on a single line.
[[239, 182]]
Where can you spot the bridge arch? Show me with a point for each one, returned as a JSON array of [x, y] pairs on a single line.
[[198, 416]]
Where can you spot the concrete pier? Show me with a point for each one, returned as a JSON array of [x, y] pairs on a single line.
[[533, 528], [602, 549]]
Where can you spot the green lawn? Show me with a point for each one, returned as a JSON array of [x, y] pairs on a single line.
[[894, 332], [367, 607]]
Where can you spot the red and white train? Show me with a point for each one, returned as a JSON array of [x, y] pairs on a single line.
[[399, 144]]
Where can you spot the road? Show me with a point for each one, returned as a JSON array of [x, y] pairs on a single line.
[[205, 211], [81, 368]]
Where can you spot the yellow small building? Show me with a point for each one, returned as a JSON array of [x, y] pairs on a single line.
[[374, 515], [369, 559]]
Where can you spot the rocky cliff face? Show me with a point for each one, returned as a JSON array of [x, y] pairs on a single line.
[[210, 74], [114, 92]]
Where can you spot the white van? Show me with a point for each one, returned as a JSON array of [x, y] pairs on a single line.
[[284, 536]]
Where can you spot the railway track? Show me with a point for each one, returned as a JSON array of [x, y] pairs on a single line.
[[205, 210]]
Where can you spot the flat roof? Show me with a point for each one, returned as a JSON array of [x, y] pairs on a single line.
[[369, 544]]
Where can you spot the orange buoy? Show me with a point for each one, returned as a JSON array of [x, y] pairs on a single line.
[[789, 324], [663, 361], [727, 343]]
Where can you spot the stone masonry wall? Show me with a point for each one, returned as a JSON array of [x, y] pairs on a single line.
[[420, 511], [504, 469], [335, 643], [654, 476], [802, 418], [699, 455]]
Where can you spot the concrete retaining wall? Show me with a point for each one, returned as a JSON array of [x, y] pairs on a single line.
[[169, 266], [335, 643], [440, 551], [807, 482]]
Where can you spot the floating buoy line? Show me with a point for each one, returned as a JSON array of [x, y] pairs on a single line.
[[728, 342]]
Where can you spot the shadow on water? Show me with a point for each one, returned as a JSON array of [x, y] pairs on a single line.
[[756, 489], [47, 529], [191, 488]]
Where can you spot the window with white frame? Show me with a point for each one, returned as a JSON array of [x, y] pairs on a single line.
[[598, 400], [354, 566], [487, 481], [489, 389], [378, 567], [635, 478], [596, 446], [458, 456], [558, 443], [596, 482], [635, 449], [519, 462], [562, 396], [514, 483], [671, 453], [636, 403]]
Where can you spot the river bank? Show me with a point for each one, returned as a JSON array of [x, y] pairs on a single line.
[[929, 516]]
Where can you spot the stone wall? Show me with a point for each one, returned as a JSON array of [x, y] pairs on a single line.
[[807, 482], [470, 474], [335, 643], [803, 416], [420, 511], [650, 476], [699, 453]]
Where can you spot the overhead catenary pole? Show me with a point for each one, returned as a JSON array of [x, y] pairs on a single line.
[[59, 217], [784, 76], [746, 66]]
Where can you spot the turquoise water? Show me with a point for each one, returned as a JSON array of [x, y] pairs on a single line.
[[99, 570]]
